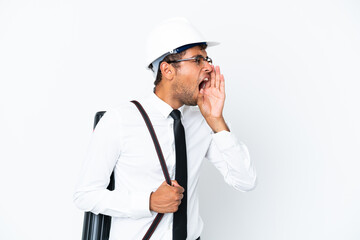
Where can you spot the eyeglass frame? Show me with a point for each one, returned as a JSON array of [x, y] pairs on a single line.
[[196, 58]]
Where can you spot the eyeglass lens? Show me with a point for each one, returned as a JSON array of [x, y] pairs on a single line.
[[204, 59]]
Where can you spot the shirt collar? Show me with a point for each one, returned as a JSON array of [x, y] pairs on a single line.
[[164, 108]]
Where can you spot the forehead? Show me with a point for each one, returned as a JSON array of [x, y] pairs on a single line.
[[194, 51]]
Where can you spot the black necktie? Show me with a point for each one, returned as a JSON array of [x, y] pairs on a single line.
[[180, 218]]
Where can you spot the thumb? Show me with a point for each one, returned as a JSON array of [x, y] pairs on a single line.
[[164, 184], [175, 183]]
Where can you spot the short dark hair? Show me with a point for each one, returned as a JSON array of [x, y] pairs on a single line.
[[171, 57]]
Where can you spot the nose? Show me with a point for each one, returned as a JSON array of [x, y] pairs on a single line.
[[207, 67]]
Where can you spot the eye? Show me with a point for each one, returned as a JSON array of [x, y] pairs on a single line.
[[198, 60], [208, 60]]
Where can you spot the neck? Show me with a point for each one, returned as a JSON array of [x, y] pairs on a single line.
[[166, 95]]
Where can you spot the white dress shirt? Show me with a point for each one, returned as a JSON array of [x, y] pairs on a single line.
[[122, 142]]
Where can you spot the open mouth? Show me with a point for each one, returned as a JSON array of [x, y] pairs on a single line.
[[203, 83]]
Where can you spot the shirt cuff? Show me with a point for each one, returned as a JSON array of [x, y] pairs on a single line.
[[224, 140], [140, 204]]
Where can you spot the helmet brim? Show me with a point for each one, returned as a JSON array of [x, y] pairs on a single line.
[[208, 43]]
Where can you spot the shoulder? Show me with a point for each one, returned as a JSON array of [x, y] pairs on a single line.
[[115, 113], [126, 113], [123, 108]]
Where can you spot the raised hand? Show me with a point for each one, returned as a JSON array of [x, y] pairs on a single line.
[[211, 100]]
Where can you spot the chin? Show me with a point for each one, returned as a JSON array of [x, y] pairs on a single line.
[[191, 102]]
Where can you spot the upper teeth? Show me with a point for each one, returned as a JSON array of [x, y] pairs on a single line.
[[206, 79]]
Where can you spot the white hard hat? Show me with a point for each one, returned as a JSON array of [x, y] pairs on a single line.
[[170, 35]]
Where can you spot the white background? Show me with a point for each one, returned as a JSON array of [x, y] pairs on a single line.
[[292, 71]]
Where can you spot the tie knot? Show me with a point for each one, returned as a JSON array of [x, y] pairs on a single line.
[[175, 114]]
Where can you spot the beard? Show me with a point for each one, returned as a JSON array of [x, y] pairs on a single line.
[[185, 95]]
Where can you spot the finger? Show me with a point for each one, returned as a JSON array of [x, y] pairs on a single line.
[[174, 183], [217, 78], [179, 197], [212, 77], [179, 189], [222, 83]]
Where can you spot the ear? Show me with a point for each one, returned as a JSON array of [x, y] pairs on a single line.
[[167, 70]]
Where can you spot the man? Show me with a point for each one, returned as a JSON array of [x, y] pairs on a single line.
[[188, 86]]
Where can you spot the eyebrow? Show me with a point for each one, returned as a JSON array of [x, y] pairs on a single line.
[[199, 55]]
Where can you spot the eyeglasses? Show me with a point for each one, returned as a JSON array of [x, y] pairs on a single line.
[[199, 59]]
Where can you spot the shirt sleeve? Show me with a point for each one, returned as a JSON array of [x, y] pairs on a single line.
[[232, 159], [91, 192]]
